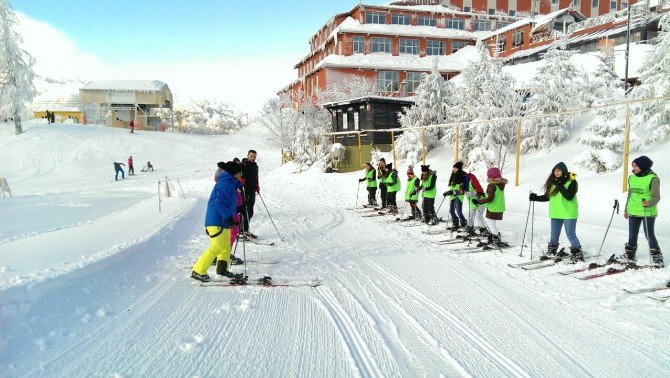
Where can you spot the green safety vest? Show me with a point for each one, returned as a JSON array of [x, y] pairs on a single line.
[[638, 190], [429, 193], [390, 186], [411, 192], [498, 203], [456, 188], [371, 179], [560, 208]]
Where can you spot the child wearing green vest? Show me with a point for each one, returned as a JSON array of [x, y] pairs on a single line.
[[392, 188], [381, 176], [428, 181], [456, 195], [560, 190], [371, 183], [495, 203], [644, 193], [412, 193]]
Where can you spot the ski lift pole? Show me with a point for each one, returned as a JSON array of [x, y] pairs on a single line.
[[614, 208], [270, 216]]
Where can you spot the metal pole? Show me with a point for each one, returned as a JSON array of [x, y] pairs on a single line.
[[625, 90], [626, 151], [360, 152], [456, 154], [518, 154], [393, 147], [423, 145]]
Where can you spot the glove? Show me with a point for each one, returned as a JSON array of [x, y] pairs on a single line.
[[475, 201], [232, 222], [448, 193], [470, 194], [258, 189], [361, 180], [532, 197]]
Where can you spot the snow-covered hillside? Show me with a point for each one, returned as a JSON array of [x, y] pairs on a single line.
[[95, 281]]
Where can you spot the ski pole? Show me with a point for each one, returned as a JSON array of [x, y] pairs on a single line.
[[489, 230], [646, 230], [525, 228], [532, 229], [357, 191], [614, 208], [273, 222]]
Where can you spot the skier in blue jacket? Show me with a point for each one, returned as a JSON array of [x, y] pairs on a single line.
[[221, 207]]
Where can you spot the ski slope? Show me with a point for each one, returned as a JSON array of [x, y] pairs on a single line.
[[95, 281]]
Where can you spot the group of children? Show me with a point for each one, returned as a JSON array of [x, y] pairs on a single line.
[[560, 190], [131, 169]]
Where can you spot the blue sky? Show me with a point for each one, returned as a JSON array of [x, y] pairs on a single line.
[[121, 31]]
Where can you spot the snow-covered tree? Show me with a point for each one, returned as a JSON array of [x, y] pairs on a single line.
[[557, 87], [351, 87], [655, 79], [431, 96], [605, 132], [280, 118], [16, 72], [211, 117]]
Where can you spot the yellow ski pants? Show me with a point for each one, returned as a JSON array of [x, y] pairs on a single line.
[[219, 247]]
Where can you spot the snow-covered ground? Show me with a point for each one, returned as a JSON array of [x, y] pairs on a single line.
[[95, 281]]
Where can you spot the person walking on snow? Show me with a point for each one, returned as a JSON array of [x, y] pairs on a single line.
[[132, 126], [560, 190], [495, 204], [218, 222], [251, 187], [429, 190], [412, 193], [644, 194], [392, 188], [456, 194], [150, 168], [371, 183], [131, 169], [381, 176], [117, 169], [475, 212]]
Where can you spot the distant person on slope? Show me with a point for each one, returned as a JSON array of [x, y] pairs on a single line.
[[644, 194], [131, 168], [132, 126], [456, 195], [251, 187], [495, 204], [560, 190], [218, 222], [371, 183], [117, 169], [150, 167]]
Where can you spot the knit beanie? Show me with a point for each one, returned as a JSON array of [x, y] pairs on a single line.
[[644, 163], [425, 168], [459, 165], [563, 168], [493, 173]]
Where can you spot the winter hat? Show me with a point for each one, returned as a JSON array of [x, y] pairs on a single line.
[[459, 165], [644, 163], [232, 168], [410, 169], [563, 168], [493, 173], [425, 168], [382, 159], [221, 165], [389, 166]]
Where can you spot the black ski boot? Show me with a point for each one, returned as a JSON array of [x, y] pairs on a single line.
[[628, 257], [456, 223], [463, 226], [576, 254], [657, 258], [200, 277], [551, 250], [236, 260]]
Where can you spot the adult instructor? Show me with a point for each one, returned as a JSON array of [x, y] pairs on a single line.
[[250, 180]]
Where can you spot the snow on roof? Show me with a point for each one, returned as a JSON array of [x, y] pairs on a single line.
[[125, 85], [538, 21], [453, 62], [409, 99], [350, 25]]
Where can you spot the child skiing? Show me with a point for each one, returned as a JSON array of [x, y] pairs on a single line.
[[495, 204], [428, 181], [456, 194], [392, 188], [475, 212], [560, 190], [381, 175], [644, 193], [371, 182], [412, 193], [117, 169]]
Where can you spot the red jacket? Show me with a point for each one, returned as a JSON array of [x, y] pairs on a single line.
[[130, 162], [475, 183]]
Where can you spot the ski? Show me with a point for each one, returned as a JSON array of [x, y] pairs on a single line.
[[411, 224], [451, 241], [647, 289], [547, 263], [489, 247], [264, 282], [660, 298], [371, 215], [262, 242], [611, 271], [531, 262], [429, 232]]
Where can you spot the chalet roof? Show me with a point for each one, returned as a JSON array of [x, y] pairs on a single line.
[[398, 100], [125, 86], [537, 21]]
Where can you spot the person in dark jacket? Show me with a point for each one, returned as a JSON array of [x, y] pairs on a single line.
[[560, 190], [392, 188], [221, 208], [495, 204], [117, 169], [251, 187], [381, 177], [131, 168], [644, 194], [456, 195]]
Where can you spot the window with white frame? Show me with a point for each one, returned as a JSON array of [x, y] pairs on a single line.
[[380, 44], [492, 11], [517, 38], [355, 120], [359, 44], [456, 23], [594, 3], [457, 45], [576, 3], [613, 5], [624, 5], [554, 1], [345, 121], [413, 80], [466, 9], [481, 25], [387, 81], [401, 19], [501, 44], [435, 47], [426, 21], [511, 12], [375, 18], [409, 46]]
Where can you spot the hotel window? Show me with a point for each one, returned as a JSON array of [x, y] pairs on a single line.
[[456, 23], [576, 3], [355, 120], [375, 18], [501, 43], [512, 12], [359, 44], [492, 11], [517, 39], [554, 1], [345, 121], [409, 46], [387, 80], [435, 47], [380, 44], [456, 45], [401, 19], [624, 5], [613, 5], [427, 21], [594, 3], [466, 9], [480, 25], [413, 80]]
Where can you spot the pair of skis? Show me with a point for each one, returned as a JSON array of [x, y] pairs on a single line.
[[265, 281], [661, 298]]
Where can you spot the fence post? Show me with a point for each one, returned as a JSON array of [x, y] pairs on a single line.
[[456, 154], [159, 195], [423, 145], [518, 153], [626, 150], [360, 151], [393, 147]]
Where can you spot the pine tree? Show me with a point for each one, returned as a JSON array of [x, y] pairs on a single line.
[[16, 73], [557, 87], [655, 78]]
